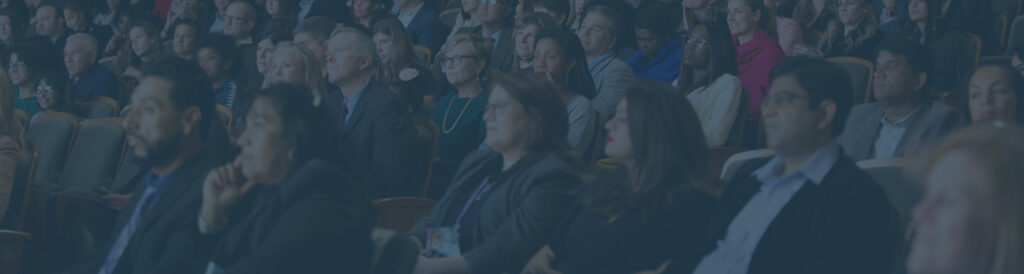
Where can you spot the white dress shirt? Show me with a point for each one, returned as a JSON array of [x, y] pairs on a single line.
[[889, 136]]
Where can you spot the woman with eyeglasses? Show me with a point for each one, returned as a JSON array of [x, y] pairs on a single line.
[[53, 94], [505, 201], [25, 63], [464, 61], [708, 79]]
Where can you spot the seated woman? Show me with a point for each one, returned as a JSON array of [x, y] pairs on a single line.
[[526, 28], [24, 64], [559, 57], [812, 15], [464, 61], [757, 51], [297, 64], [53, 95], [660, 47], [637, 217], [146, 46], [950, 61], [790, 34], [401, 71], [265, 54], [220, 60], [853, 33], [366, 13], [970, 217], [504, 202], [284, 206], [709, 80], [995, 93], [11, 141]]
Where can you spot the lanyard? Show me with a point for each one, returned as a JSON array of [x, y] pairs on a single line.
[[484, 187]]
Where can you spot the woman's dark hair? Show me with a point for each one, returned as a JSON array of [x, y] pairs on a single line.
[[823, 81], [933, 24], [32, 56], [225, 47], [1016, 80], [402, 55], [722, 59], [546, 111], [18, 23], [767, 20], [306, 127], [286, 9], [580, 81], [656, 18], [669, 150], [58, 80]]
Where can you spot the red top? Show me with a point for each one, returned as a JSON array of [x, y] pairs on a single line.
[[161, 8], [756, 59]]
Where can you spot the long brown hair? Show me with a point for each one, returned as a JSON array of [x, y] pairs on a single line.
[[402, 55], [865, 30]]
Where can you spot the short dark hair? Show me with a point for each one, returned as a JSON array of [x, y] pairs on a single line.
[[187, 22], [545, 110], [58, 80], [320, 27], [580, 80], [1016, 80], [918, 56], [189, 88], [308, 128], [58, 9], [656, 18], [225, 47], [823, 81], [541, 20]]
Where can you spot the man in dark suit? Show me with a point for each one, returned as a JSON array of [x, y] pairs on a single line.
[[239, 21], [903, 120], [425, 28], [89, 80], [375, 119], [497, 26], [808, 209], [172, 129]]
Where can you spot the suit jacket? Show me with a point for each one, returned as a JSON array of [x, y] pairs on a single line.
[[426, 29], [249, 76], [931, 122], [316, 221], [503, 58], [612, 77], [95, 82], [163, 243], [381, 133], [843, 225], [514, 219]]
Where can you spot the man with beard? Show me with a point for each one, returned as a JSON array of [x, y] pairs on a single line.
[[172, 131]]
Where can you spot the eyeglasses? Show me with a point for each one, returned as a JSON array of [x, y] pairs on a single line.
[[229, 18], [456, 60], [496, 109], [43, 88], [780, 99], [700, 43], [17, 64]]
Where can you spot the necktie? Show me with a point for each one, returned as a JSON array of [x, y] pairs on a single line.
[[129, 229]]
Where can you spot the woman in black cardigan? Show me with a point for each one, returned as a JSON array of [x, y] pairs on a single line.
[[653, 208], [283, 206], [503, 203]]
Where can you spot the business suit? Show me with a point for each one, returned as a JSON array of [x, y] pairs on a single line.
[[249, 76], [514, 218], [843, 225], [612, 77], [426, 29], [316, 221], [929, 123], [503, 56], [381, 132]]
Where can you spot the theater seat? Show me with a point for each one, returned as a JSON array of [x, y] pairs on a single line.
[[861, 74], [891, 175], [21, 190], [100, 107], [95, 155], [718, 156], [733, 164], [53, 133], [401, 213]]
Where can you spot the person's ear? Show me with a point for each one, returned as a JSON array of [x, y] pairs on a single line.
[[191, 118], [922, 78], [367, 61], [757, 16], [829, 109]]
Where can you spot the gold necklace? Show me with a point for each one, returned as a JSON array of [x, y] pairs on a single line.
[[444, 123]]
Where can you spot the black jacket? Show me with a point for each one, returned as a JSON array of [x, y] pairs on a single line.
[[316, 221], [381, 133], [843, 225]]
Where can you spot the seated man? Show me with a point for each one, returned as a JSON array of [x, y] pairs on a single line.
[[425, 28], [903, 120], [89, 80], [809, 209], [173, 130], [598, 34], [660, 47], [496, 25]]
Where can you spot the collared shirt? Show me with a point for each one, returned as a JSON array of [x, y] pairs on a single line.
[[407, 16], [598, 60], [246, 41], [350, 103], [734, 252], [304, 9], [218, 25], [155, 188], [890, 135], [496, 37]]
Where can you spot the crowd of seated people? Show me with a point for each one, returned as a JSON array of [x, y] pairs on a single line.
[[514, 136]]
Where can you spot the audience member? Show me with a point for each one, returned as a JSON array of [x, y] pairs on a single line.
[[219, 60], [599, 33], [495, 25], [853, 33], [49, 23], [219, 12], [757, 52], [557, 9], [75, 21], [577, 12], [660, 47], [281, 9], [89, 79], [652, 208], [559, 58], [53, 95], [296, 64], [527, 27], [809, 198], [375, 119], [972, 17], [107, 13], [367, 13], [969, 219], [701, 11], [892, 14], [709, 81], [185, 39], [12, 29], [459, 114], [26, 62], [468, 17], [903, 120], [334, 9], [11, 141], [146, 47], [284, 205], [425, 28], [265, 56], [313, 33], [118, 42], [789, 32], [400, 70], [240, 19], [171, 130], [814, 15], [506, 200], [182, 10], [950, 61], [994, 93]]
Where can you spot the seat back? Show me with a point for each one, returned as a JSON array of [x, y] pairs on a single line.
[[401, 213], [100, 107], [972, 44], [718, 156], [95, 155], [425, 149], [1016, 35], [891, 175], [423, 54], [860, 72], [735, 138], [733, 164], [52, 133], [22, 117], [449, 17], [1001, 25], [22, 188]]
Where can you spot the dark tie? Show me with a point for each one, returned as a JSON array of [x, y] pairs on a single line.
[[343, 118]]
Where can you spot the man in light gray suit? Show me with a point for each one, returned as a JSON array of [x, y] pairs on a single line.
[[598, 33], [903, 120]]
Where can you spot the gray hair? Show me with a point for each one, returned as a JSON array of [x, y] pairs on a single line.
[[360, 43], [89, 41]]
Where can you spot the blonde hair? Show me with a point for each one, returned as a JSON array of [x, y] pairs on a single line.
[[481, 49], [865, 30], [1000, 148], [9, 125], [311, 66]]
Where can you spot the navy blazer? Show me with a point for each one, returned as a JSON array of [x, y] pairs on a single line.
[[95, 82], [426, 29]]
